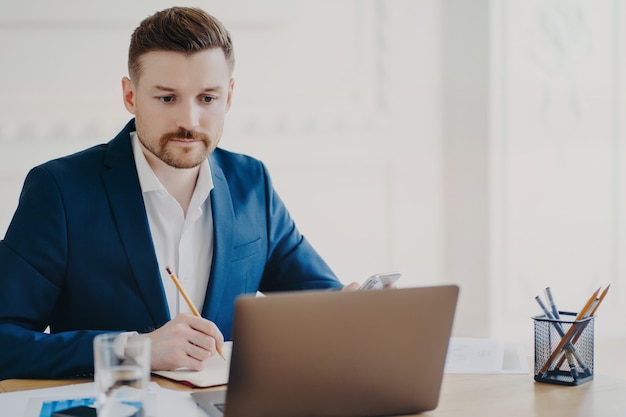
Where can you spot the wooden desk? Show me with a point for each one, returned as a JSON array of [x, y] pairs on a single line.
[[494, 395], [10, 385]]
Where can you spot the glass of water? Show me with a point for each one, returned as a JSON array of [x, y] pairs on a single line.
[[122, 374]]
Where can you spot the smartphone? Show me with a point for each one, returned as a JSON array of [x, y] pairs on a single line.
[[378, 281]]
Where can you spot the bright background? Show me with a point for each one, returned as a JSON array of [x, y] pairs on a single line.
[[468, 141]]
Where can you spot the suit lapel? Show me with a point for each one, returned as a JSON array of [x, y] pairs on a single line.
[[223, 219], [122, 186]]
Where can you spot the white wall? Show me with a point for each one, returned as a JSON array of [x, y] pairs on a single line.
[[471, 141], [465, 149], [557, 157]]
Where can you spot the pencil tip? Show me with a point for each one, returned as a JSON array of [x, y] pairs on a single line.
[[169, 271]]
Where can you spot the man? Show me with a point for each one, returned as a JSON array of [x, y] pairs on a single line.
[[88, 246]]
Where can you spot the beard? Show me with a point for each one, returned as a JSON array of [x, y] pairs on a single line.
[[181, 158]]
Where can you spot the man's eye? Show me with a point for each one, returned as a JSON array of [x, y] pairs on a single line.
[[207, 99], [166, 99]]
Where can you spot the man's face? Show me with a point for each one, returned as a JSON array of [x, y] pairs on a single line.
[[179, 103]]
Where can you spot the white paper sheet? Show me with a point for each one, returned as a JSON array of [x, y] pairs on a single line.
[[485, 356]]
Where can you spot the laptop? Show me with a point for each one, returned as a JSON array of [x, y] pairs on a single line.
[[336, 354]]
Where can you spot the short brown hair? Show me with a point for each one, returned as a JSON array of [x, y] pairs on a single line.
[[180, 29]]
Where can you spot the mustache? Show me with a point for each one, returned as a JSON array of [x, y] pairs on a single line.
[[183, 133]]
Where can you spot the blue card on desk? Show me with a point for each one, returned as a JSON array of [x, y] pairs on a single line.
[[51, 408]]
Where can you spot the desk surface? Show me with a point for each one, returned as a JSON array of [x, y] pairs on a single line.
[[494, 395]]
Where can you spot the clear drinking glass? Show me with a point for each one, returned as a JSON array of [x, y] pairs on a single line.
[[122, 374]]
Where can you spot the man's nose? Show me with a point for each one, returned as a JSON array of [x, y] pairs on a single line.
[[188, 116]]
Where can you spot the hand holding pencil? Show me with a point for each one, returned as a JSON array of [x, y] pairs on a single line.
[[184, 342], [193, 308]]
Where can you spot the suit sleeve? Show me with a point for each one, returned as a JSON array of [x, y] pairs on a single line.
[[33, 258], [293, 264]]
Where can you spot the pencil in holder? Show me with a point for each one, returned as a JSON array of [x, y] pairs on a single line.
[[564, 349]]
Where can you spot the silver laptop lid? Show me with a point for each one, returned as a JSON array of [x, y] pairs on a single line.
[[333, 353]]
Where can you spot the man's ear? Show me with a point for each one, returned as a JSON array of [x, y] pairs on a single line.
[[229, 98], [128, 91]]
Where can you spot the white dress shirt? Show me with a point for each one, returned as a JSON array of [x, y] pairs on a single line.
[[184, 243]]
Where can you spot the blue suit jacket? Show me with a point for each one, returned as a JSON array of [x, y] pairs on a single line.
[[78, 256]]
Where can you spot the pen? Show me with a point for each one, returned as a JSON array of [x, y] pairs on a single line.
[[193, 308], [555, 311], [544, 308]]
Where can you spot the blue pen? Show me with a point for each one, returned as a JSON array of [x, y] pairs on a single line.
[[545, 310], [555, 311]]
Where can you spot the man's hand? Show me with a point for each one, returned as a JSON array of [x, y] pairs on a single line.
[[353, 286], [184, 342]]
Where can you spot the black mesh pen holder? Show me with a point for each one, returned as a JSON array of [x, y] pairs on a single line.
[[563, 349]]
